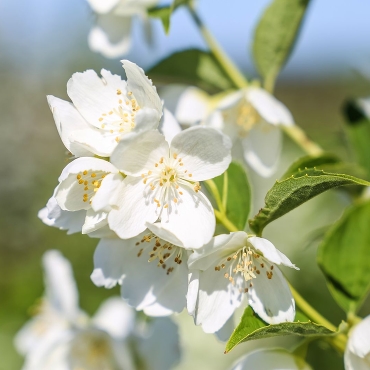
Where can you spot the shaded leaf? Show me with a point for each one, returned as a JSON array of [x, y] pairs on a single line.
[[358, 131], [192, 67], [290, 193], [164, 13], [275, 36], [252, 327], [342, 256]]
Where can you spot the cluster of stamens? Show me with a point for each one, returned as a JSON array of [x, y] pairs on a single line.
[[121, 119], [248, 264], [162, 251], [247, 117], [90, 181], [165, 180]]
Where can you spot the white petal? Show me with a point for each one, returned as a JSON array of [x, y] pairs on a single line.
[[101, 39], [103, 6], [364, 104], [144, 282], [270, 359], [61, 290], [142, 88], [94, 221], [262, 148], [133, 209], [217, 301], [220, 246], [92, 95], [168, 126], [225, 332], [270, 252], [204, 151], [50, 352], [192, 294], [173, 298], [53, 215], [359, 342], [95, 141], [161, 349], [188, 103], [192, 221], [135, 153], [115, 317], [68, 119], [109, 257], [69, 193], [271, 299], [354, 362], [103, 232], [269, 108], [109, 185]]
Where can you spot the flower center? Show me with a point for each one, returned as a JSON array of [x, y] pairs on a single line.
[[247, 117], [165, 180], [121, 119], [167, 254], [244, 263], [91, 349], [90, 181]]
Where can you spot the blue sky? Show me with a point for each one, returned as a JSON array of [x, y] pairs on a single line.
[[335, 37]]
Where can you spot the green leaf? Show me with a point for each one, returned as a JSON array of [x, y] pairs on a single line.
[[275, 36], [235, 192], [193, 67], [310, 161], [252, 327], [164, 13], [288, 194], [358, 131], [343, 257]]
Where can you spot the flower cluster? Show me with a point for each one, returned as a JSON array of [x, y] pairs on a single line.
[[62, 336], [250, 117], [135, 182], [111, 34]]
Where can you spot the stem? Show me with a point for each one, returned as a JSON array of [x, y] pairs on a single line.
[[213, 188], [339, 341], [300, 138], [225, 221], [225, 190], [309, 311], [235, 75]]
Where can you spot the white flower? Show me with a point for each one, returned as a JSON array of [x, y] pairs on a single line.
[[107, 341], [105, 109], [163, 184], [111, 36], [232, 268], [152, 272], [250, 116], [270, 359], [88, 184], [357, 354]]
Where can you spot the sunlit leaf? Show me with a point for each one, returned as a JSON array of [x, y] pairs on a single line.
[[164, 13], [275, 36], [290, 193], [252, 327]]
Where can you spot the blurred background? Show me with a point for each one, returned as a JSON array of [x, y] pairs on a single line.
[[44, 42]]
